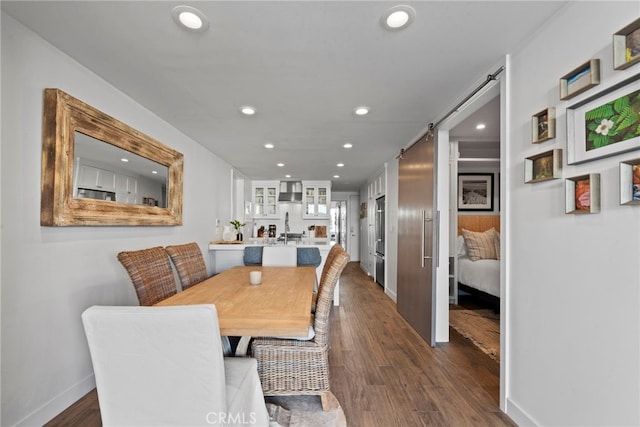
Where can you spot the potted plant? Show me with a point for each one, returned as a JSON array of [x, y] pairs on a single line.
[[238, 226]]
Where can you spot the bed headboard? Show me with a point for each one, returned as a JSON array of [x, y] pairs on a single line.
[[478, 222]]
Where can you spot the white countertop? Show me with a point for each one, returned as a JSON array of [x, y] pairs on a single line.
[[305, 243]]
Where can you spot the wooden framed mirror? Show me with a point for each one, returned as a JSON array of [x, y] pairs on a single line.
[[84, 177]]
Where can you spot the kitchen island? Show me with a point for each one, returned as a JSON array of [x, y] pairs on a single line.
[[223, 256]]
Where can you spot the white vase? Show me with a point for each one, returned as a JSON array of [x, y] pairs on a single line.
[[229, 234]]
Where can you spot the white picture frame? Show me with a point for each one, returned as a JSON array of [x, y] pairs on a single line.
[[579, 149]]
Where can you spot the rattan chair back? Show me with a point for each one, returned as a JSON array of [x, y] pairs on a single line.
[[151, 274], [325, 297], [335, 250], [189, 263]]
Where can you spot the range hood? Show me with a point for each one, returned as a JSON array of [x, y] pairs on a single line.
[[290, 191]]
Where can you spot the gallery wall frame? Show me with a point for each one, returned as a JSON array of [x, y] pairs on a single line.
[[630, 182], [475, 192], [580, 79], [604, 124], [582, 194], [626, 46], [543, 166], [543, 125]]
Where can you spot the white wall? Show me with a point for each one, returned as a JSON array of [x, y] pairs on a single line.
[[391, 254], [573, 281], [51, 274]]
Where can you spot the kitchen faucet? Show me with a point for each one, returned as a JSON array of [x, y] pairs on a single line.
[[286, 226]]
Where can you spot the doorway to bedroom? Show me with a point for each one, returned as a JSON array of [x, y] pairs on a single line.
[[474, 235]]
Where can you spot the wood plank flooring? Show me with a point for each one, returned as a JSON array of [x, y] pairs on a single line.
[[383, 373]]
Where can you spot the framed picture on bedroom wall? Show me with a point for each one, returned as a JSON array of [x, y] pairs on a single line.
[[475, 192]]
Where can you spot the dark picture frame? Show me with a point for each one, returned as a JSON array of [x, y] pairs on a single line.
[[626, 46], [475, 192], [601, 125]]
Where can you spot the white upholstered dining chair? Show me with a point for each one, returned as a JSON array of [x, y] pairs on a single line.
[[163, 366], [279, 256]]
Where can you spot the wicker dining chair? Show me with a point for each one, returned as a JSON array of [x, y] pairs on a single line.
[[189, 263], [333, 252], [191, 269], [151, 274], [295, 367]]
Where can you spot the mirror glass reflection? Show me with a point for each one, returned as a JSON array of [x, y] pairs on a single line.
[[105, 172]]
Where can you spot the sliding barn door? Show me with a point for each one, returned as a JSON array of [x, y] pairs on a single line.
[[416, 226]]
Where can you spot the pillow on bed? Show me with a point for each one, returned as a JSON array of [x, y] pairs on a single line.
[[461, 248], [481, 245]]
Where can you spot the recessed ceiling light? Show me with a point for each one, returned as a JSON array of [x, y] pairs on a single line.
[[269, 146], [124, 160], [348, 145], [398, 17], [361, 111], [287, 176], [248, 110], [340, 165], [336, 176], [280, 165], [190, 18], [480, 126], [154, 172]]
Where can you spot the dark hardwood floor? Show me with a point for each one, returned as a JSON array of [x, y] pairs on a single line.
[[383, 373]]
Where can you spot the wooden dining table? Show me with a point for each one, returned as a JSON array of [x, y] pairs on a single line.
[[279, 307]]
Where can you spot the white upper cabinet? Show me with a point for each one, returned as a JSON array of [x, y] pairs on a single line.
[[93, 178], [265, 199], [316, 199], [127, 189], [377, 187]]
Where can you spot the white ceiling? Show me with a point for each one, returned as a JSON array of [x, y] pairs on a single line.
[[305, 65]]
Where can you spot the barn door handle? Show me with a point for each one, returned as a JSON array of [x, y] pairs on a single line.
[[424, 221]]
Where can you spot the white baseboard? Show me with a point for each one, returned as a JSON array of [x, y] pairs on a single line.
[[59, 403], [391, 295], [519, 415]]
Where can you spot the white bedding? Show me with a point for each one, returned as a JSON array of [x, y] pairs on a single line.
[[483, 274]]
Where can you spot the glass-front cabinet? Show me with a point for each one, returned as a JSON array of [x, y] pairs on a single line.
[[265, 199], [316, 199]]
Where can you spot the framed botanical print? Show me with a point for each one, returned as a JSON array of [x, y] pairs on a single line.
[[605, 124]]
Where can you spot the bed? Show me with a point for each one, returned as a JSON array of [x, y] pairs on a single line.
[[477, 247]]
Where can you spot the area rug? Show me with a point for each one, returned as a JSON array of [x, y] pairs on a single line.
[[304, 411], [482, 327]]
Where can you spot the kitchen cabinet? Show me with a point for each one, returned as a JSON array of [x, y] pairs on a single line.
[[126, 189], [265, 199], [376, 187], [126, 184], [316, 199], [93, 178]]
